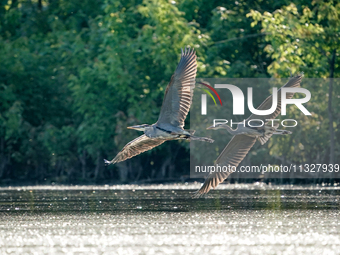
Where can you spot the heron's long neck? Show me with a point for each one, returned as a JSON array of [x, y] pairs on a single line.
[[230, 130]]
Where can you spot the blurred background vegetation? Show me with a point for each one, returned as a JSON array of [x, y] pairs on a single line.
[[74, 74]]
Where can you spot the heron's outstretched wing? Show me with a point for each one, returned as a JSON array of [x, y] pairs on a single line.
[[292, 83], [179, 92], [232, 155], [135, 147]]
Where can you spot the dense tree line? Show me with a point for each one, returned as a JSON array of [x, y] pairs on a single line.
[[74, 74]]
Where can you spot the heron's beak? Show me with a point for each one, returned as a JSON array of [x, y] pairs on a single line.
[[138, 128], [211, 127], [203, 83]]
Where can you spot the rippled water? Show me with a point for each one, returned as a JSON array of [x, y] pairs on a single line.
[[164, 219]]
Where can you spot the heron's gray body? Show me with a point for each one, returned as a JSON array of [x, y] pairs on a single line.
[[176, 104], [257, 132], [168, 132], [245, 137], [241, 129]]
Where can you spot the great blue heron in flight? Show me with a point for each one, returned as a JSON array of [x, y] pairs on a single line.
[[245, 137], [175, 107]]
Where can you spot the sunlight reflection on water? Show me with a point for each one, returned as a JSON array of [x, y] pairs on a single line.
[[163, 219]]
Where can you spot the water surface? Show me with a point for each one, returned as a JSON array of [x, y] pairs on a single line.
[[164, 219]]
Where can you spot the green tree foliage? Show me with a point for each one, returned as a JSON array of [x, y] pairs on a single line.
[[307, 39], [74, 74]]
